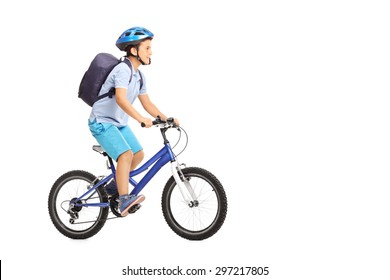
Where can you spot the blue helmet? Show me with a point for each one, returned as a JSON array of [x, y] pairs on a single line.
[[133, 36]]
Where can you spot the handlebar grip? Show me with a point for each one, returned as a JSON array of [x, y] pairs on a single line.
[[155, 122]]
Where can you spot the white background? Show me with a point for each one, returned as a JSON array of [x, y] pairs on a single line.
[[286, 102]]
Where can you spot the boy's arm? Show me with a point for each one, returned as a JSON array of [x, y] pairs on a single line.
[[123, 102], [150, 107]]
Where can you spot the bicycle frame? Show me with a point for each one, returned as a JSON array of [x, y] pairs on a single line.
[[161, 158]]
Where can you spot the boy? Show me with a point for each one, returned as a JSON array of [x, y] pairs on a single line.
[[109, 116]]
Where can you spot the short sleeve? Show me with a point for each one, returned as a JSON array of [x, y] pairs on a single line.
[[122, 76]]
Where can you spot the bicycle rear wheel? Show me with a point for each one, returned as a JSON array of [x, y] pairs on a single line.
[[77, 222], [198, 219]]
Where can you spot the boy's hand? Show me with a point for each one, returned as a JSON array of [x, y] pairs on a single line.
[[146, 122]]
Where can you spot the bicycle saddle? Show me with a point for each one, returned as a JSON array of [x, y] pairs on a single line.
[[99, 149]]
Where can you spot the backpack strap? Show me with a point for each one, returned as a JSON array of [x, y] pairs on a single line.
[[131, 68], [111, 92], [141, 82]]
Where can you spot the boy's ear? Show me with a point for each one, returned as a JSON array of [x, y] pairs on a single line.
[[133, 51]]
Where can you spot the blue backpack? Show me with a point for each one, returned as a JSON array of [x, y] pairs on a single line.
[[96, 75]]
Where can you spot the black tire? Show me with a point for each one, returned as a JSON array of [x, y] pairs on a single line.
[[89, 220], [185, 219]]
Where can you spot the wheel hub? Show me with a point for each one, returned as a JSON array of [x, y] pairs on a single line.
[[194, 203]]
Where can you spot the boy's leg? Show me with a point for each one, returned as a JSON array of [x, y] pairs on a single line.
[[124, 164], [117, 147], [112, 188], [127, 201], [137, 158]]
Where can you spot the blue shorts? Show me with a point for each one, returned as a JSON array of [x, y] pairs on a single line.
[[114, 140]]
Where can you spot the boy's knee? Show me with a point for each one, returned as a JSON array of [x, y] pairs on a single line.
[[139, 155], [126, 156]]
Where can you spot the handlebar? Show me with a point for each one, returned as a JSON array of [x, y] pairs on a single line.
[[158, 121]]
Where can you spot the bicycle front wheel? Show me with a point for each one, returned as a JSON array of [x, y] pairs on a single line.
[[77, 222], [199, 218]]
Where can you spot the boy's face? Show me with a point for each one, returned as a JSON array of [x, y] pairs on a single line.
[[145, 51]]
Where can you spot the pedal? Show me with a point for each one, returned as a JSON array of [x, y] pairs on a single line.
[[134, 208]]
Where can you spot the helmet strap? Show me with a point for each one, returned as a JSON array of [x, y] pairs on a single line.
[[140, 60]]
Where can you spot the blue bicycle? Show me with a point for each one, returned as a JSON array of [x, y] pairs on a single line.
[[194, 203]]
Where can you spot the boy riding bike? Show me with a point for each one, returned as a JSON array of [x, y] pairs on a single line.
[[108, 121]]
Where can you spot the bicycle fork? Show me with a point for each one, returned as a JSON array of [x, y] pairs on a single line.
[[184, 185]]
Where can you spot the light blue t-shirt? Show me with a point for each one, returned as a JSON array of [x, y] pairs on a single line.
[[106, 110]]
